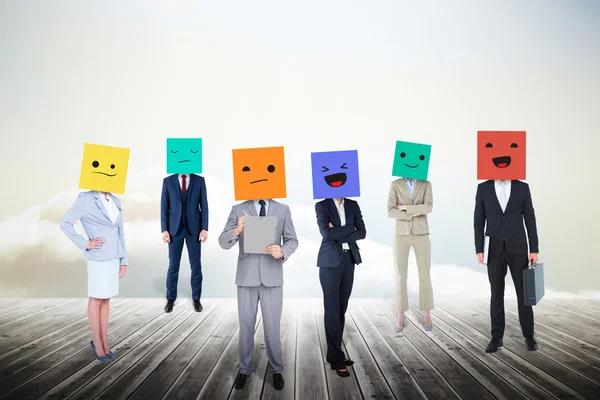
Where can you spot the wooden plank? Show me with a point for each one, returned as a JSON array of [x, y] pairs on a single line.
[[219, 384], [180, 346], [338, 387], [572, 308], [536, 358], [570, 326], [73, 364], [502, 381], [433, 385], [311, 380], [586, 304], [9, 354], [289, 329], [62, 319], [456, 375], [22, 308], [554, 349], [538, 377], [186, 369], [63, 311], [126, 373], [33, 353], [380, 373], [591, 323]]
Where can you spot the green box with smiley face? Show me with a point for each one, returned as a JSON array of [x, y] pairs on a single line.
[[411, 160], [184, 155]]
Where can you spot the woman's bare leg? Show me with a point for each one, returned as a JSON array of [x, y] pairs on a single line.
[[94, 321], [104, 307]]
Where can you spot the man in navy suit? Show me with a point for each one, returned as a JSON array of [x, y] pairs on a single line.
[[184, 218], [341, 225]]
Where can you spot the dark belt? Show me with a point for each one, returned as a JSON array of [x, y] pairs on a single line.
[[346, 250]]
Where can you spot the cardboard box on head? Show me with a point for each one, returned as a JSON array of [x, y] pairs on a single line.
[[184, 156], [411, 160], [335, 174], [501, 155], [259, 173], [104, 168]]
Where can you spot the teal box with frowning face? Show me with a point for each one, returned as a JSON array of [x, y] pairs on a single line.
[[184, 156], [411, 160]]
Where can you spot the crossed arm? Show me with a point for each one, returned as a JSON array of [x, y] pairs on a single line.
[[342, 234]]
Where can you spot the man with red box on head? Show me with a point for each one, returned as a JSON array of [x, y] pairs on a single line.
[[502, 203]]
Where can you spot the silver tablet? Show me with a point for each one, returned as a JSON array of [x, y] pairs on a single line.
[[259, 232]]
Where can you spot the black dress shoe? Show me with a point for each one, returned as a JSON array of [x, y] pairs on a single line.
[[169, 306], [348, 362], [531, 344], [493, 345], [197, 306], [343, 373], [278, 381], [240, 381]]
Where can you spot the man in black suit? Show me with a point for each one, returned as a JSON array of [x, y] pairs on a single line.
[[184, 217], [341, 225], [504, 204]]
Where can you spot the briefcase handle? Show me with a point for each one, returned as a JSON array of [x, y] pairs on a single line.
[[532, 266]]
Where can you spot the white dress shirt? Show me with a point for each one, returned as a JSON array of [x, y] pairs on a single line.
[[342, 213], [109, 205], [410, 185], [187, 181], [502, 192]]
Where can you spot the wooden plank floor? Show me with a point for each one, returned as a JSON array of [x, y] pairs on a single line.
[[45, 354]]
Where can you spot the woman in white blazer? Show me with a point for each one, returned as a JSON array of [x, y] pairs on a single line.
[[101, 218]]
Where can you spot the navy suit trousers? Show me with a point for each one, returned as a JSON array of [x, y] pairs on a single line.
[[175, 250], [337, 286]]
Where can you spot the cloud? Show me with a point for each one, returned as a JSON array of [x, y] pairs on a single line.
[[38, 260]]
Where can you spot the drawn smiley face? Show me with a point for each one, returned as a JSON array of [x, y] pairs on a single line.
[[411, 160], [184, 156], [501, 155], [104, 168], [335, 174], [259, 173]]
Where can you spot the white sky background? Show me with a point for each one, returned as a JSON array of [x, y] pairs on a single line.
[[312, 76]]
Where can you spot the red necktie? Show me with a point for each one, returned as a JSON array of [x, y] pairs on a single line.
[[183, 184]]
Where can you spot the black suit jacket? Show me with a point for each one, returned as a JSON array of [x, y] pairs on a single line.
[[330, 253], [505, 227], [171, 205]]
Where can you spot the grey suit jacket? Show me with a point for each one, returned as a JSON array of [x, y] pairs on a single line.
[[88, 209], [414, 218], [257, 269]]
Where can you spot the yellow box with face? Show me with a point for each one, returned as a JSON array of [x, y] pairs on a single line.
[[104, 168]]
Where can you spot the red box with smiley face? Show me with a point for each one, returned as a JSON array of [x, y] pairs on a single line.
[[501, 155]]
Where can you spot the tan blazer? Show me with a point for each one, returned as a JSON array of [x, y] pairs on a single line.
[[414, 219]]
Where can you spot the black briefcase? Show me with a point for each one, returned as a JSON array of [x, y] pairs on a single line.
[[533, 284]]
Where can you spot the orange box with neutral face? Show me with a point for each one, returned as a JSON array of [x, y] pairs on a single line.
[[501, 155], [259, 173]]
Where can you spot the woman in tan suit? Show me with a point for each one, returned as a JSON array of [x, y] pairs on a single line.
[[409, 202]]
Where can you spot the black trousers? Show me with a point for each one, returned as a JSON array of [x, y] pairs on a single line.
[[497, 267], [337, 287]]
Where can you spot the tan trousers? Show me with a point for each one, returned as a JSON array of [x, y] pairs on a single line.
[[422, 247]]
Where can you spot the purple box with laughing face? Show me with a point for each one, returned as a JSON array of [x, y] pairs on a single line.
[[335, 174]]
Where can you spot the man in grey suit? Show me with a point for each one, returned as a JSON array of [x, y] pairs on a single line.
[[259, 277]]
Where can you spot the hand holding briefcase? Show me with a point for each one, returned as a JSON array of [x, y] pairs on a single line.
[[533, 284]]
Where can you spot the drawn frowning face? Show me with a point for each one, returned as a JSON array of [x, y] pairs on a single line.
[[184, 156]]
